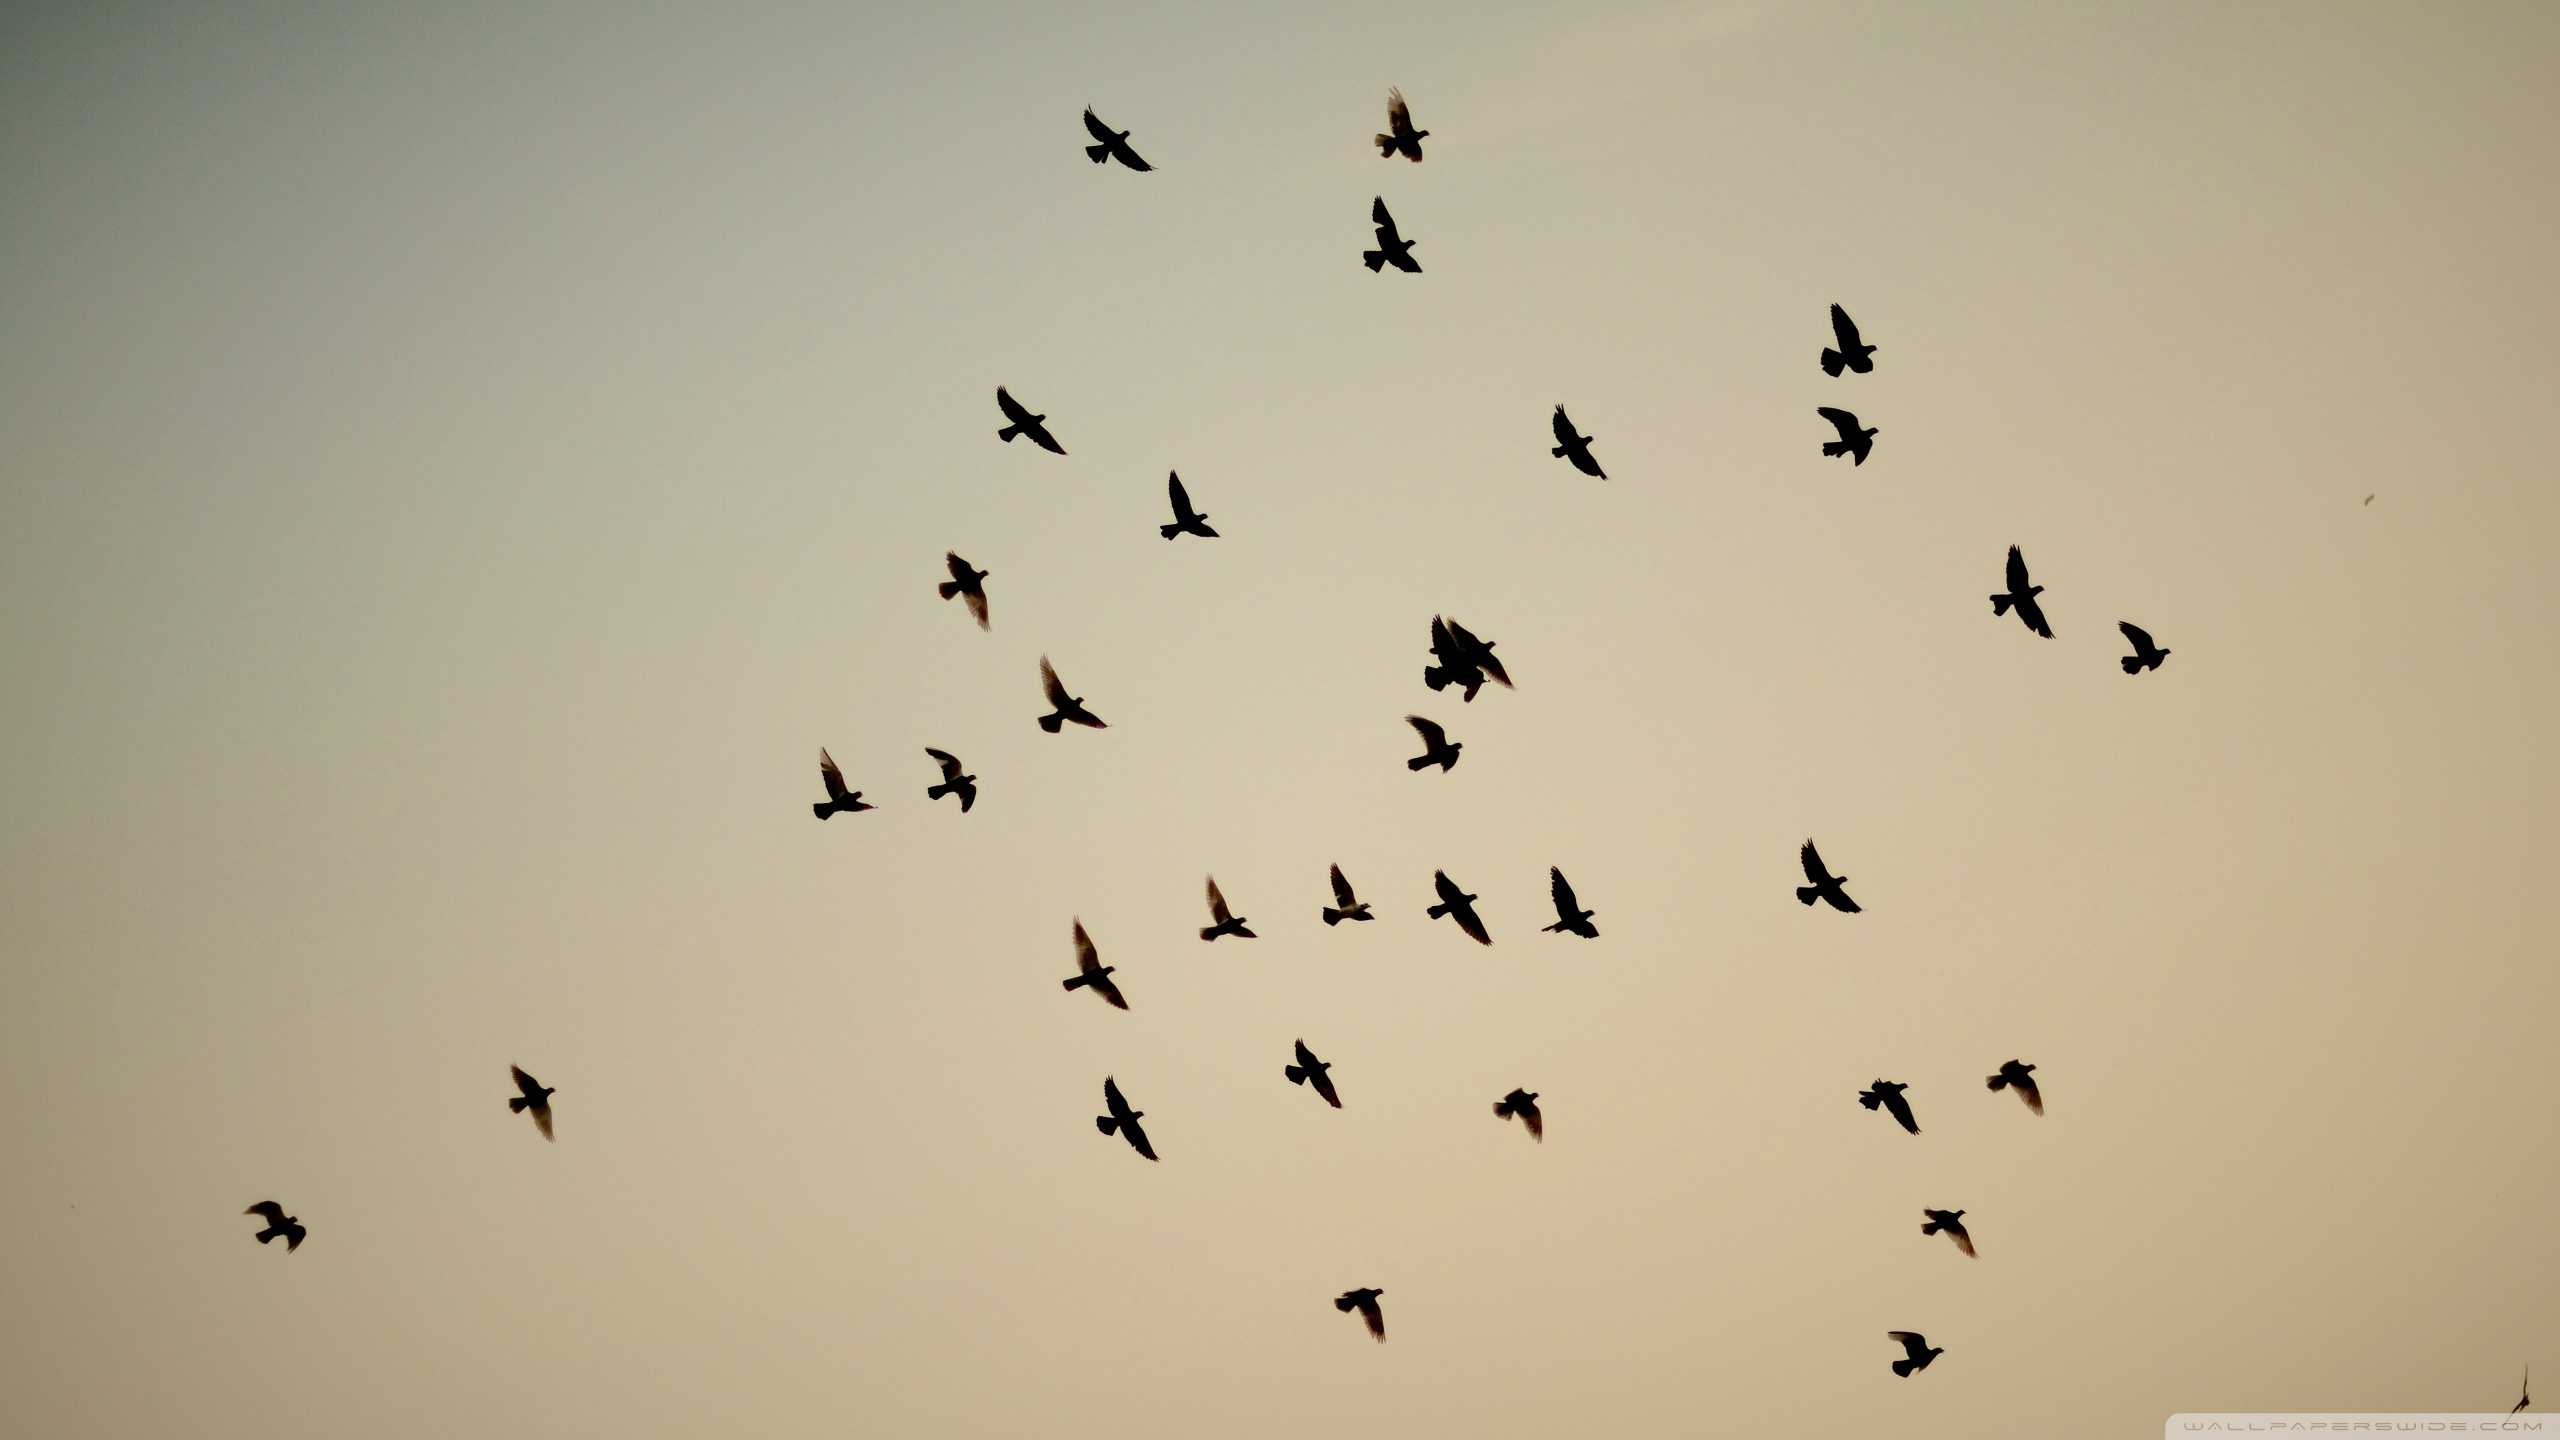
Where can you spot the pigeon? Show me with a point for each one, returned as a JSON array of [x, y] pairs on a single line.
[[1853, 442], [953, 782], [1570, 917], [965, 581], [1825, 886], [1576, 448], [1311, 1071], [1455, 667], [2022, 595], [1025, 423], [1122, 1119], [1115, 143], [1459, 906], [278, 1223], [1952, 1222], [1186, 521], [839, 800], [1852, 355], [1346, 906], [2145, 656], [1888, 1093], [1437, 748], [536, 1098], [1092, 974], [2527, 1397], [1393, 249], [1226, 924], [1401, 138], [1366, 1302], [2014, 1075], [1470, 650], [1523, 1103], [1916, 1349], [1063, 706]]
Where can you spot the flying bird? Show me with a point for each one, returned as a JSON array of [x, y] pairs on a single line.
[[1825, 886], [1311, 1071], [1226, 924], [1576, 448], [1468, 649], [536, 1098], [1952, 1222], [1853, 442], [1455, 667], [1115, 143], [1366, 1302], [1888, 1093], [1570, 917], [1186, 521], [1401, 138], [1393, 249], [1122, 1119], [953, 782], [1025, 423], [278, 1223], [1523, 1103], [1459, 906], [2013, 1075], [2145, 656], [1092, 974], [839, 800], [965, 581], [1916, 1348], [2022, 595], [1852, 354], [1346, 906], [1437, 748], [1063, 706]]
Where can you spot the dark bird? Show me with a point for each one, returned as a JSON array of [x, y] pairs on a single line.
[[1226, 924], [965, 581], [1366, 1302], [1523, 1103], [1025, 423], [1570, 917], [1437, 748], [1952, 1222], [1122, 1119], [1888, 1093], [278, 1223], [1115, 143], [2527, 1397], [1853, 442], [1459, 906], [953, 782], [2022, 595], [2014, 1075], [1916, 1348], [839, 799], [1852, 355], [2145, 656], [536, 1098], [1092, 974], [1825, 886], [1401, 138], [1576, 448], [1186, 521], [1479, 653], [1063, 706], [1393, 249], [1346, 906], [1311, 1071], [1455, 667]]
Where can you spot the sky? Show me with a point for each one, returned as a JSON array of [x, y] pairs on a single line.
[[459, 464]]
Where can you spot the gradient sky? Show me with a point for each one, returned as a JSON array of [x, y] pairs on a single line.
[[458, 464]]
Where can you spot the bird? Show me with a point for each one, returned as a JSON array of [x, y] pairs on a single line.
[[2022, 595], [1455, 667], [1122, 1119], [1570, 917], [278, 1223], [1437, 748], [1852, 354], [1025, 423], [1063, 706], [1576, 448], [1825, 886], [2014, 1074], [1393, 249], [1092, 974], [2145, 656], [953, 782], [1366, 1302], [1952, 1222], [2527, 1397], [965, 581], [1477, 652], [1916, 1349], [839, 800], [1459, 906], [1186, 521], [1888, 1093], [536, 1098], [1115, 143], [1401, 138], [1853, 442], [1311, 1071], [1523, 1103], [2369, 500], [1346, 906], [1227, 924]]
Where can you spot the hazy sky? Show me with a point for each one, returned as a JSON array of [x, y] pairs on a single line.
[[458, 464]]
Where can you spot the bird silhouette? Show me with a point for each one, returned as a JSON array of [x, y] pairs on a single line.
[[1063, 706], [1825, 886], [1311, 1071], [2014, 1074], [1888, 1093], [1456, 666], [1115, 143], [1915, 1348], [1853, 442], [2527, 1397], [839, 800], [278, 1223], [1401, 138], [1468, 649], [1025, 423], [1392, 249], [1852, 355], [536, 1098], [1092, 974], [1952, 1222], [1570, 917], [1186, 521], [1122, 1119], [1366, 1302], [1459, 906], [2022, 595], [1437, 748], [953, 782], [2145, 656], [965, 581], [1524, 1104], [1576, 448], [1346, 906], [1226, 924]]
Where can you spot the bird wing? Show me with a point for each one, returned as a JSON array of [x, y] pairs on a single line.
[[1049, 682], [1561, 890], [1101, 985], [531, 1087], [1093, 126], [1137, 1138], [1385, 222], [2026, 1086], [1841, 420], [273, 1211], [1088, 959], [1814, 869], [1324, 1087], [977, 599], [2140, 637], [1114, 1101], [1469, 921], [1911, 1340], [1530, 1116], [1218, 903], [1377, 1319], [2033, 614], [1843, 329], [949, 762], [1564, 430], [542, 1117], [1448, 888], [2017, 573], [1011, 407], [958, 567], [1181, 497], [1443, 644], [828, 772], [1432, 735], [1342, 895], [1399, 119], [1306, 1057]]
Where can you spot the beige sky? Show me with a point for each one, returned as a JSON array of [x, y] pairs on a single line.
[[456, 469]]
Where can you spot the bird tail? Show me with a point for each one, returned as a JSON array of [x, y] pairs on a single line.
[[1332, 916], [1169, 531], [1098, 153], [1997, 1082], [1374, 259], [1502, 1108], [1418, 762], [822, 809], [1902, 1368], [1439, 910], [2000, 604], [1929, 1229], [1051, 723], [949, 588], [1832, 360], [1435, 677], [1835, 447], [936, 792], [517, 1104], [1559, 452], [1870, 1099], [1208, 932], [1386, 147], [2132, 664], [1298, 1077], [1106, 1124], [1007, 433], [1073, 982], [266, 1235], [1343, 1305], [1807, 893]]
